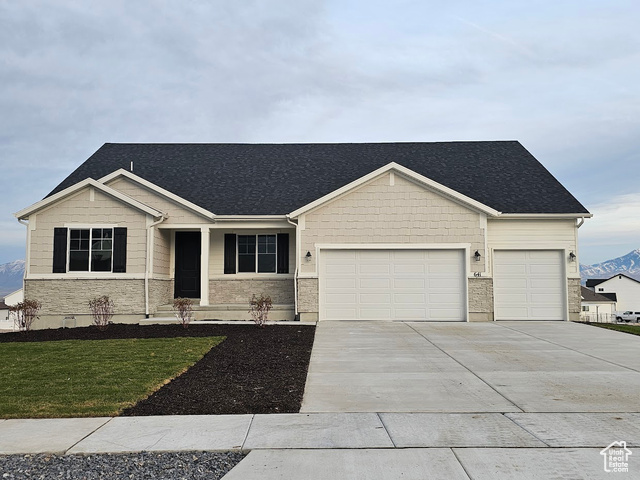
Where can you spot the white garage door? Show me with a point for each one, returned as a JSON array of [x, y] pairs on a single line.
[[392, 285], [529, 285]]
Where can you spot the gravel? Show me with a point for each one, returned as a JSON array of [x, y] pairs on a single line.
[[145, 465]]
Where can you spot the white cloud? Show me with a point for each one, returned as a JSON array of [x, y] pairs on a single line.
[[614, 222]]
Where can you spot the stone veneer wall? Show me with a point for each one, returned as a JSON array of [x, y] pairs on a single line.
[[308, 295], [239, 291], [71, 296], [575, 298], [160, 293], [480, 299]]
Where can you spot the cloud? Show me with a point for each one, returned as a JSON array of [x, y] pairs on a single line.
[[614, 222]]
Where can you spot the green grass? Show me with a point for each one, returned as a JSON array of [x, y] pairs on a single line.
[[634, 330], [82, 378]]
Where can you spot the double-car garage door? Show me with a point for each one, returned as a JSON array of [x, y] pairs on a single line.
[[373, 284], [392, 285]]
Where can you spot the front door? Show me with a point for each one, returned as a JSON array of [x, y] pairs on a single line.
[[187, 281]]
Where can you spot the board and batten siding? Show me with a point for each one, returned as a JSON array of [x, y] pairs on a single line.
[[87, 207], [532, 234], [391, 210]]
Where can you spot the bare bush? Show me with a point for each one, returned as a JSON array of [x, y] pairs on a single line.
[[102, 310], [25, 313], [183, 308], [260, 307]]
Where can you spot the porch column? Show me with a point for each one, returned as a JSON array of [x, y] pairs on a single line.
[[204, 266]]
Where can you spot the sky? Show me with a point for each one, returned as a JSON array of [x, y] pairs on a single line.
[[559, 76]]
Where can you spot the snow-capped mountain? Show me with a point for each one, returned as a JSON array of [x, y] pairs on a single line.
[[11, 277], [628, 264]]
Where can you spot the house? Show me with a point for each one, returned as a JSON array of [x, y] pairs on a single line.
[[453, 231], [626, 289], [4, 314], [597, 307]]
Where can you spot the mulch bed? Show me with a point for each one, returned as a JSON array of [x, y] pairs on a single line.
[[255, 370]]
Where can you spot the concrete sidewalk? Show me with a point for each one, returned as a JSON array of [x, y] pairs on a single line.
[[318, 431], [352, 445]]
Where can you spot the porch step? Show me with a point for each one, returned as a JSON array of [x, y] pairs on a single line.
[[227, 311]]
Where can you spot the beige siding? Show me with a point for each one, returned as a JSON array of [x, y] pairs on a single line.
[[405, 212], [161, 252], [216, 248], [534, 234], [85, 208], [177, 213]]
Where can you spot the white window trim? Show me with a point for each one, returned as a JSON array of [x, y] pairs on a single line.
[[90, 228], [255, 272]]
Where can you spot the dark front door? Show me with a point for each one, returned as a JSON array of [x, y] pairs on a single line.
[[187, 283]]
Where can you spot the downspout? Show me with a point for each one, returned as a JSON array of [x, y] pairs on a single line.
[[295, 273], [148, 264], [579, 224]]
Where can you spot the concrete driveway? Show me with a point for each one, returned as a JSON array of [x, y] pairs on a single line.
[[472, 367]]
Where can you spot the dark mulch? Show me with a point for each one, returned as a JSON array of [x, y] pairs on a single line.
[[255, 370]]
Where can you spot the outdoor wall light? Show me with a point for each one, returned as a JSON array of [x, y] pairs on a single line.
[[572, 257], [308, 256], [477, 256]]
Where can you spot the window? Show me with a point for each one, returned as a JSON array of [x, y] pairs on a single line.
[[601, 289], [261, 259], [585, 308], [90, 250]]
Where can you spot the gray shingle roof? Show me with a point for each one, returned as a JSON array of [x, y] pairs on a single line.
[[269, 179], [589, 295]]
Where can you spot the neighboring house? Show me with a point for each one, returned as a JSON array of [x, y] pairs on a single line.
[[597, 307], [627, 290], [4, 314], [456, 231], [14, 297]]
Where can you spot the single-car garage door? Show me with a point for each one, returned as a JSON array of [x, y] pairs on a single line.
[[529, 285], [392, 285]]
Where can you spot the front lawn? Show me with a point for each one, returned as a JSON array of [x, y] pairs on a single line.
[[80, 378], [633, 329]]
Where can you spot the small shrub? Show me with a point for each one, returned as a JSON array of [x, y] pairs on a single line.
[[102, 311], [25, 313], [260, 307], [183, 308]]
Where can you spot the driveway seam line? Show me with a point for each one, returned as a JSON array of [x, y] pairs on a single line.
[[467, 368], [246, 435], [88, 435], [460, 463], [570, 349], [386, 430], [525, 429]]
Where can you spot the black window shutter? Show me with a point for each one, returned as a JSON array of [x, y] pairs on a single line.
[[229, 253], [119, 250], [283, 253], [59, 250]]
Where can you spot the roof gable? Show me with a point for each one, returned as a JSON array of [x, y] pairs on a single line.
[[268, 179], [593, 282], [87, 183], [410, 175], [121, 173]]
